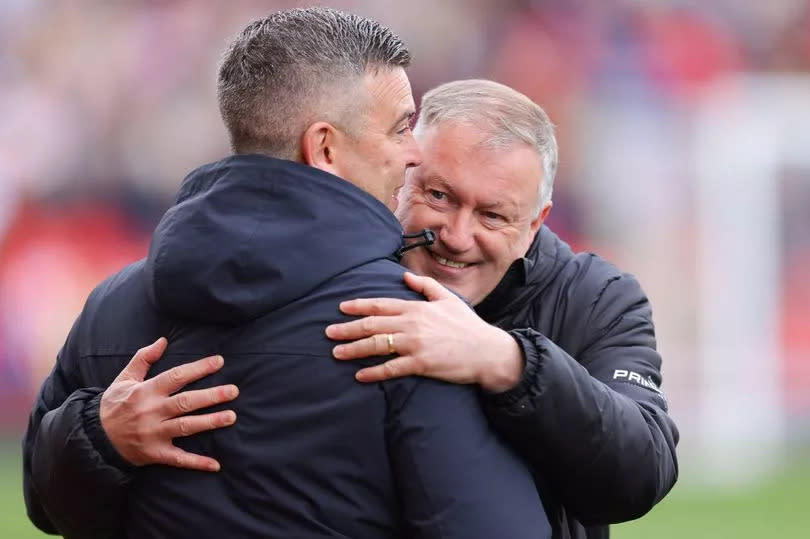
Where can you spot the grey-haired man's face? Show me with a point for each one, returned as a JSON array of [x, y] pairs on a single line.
[[480, 202]]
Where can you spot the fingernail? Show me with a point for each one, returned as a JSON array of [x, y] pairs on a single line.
[[231, 391], [337, 351], [214, 466], [217, 362], [329, 330], [229, 418]]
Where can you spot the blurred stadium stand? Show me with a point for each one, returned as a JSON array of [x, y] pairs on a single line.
[[104, 107]]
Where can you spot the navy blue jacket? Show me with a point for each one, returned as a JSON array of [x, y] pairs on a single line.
[[588, 415], [251, 263]]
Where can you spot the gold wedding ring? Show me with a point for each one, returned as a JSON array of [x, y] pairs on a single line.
[[391, 349]]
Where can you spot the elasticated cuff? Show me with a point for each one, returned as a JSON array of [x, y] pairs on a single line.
[[98, 437], [526, 385]]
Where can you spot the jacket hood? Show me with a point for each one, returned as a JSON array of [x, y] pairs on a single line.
[[249, 234]]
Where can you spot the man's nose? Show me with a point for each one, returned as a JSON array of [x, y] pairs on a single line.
[[457, 233], [413, 156]]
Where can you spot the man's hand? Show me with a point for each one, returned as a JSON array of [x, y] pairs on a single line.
[[442, 338], [142, 417]]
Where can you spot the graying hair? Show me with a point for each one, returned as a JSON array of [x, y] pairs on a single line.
[[506, 115], [297, 66]]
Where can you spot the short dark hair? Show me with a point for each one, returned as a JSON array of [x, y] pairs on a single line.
[[297, 66]]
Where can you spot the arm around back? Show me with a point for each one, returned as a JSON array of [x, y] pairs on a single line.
[[455, 476], [74, 483]]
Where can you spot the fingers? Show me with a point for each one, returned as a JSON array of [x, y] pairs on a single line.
[[139, 365], [364, 327], [174, 456], [178, 377], [375, 345], [375, 306], [393, 368], [192, 424], [190, 401], [427, 286]]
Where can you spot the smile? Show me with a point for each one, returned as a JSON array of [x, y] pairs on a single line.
[[448, 263]]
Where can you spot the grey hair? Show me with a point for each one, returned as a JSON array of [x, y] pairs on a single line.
[[297, 66], [506, 115]]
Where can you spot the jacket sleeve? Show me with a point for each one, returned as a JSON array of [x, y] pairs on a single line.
[[74, 481], [454, 476], [595, 427]]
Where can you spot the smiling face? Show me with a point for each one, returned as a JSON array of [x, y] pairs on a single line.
[[480, 201], [376, 159]]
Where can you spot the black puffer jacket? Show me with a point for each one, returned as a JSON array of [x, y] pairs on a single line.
[[588, 413], [251, 263]]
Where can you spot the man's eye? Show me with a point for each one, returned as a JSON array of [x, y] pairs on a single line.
[[404, 130], [438, 195], [492, 216]]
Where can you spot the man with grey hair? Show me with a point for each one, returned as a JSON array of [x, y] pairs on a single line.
[[250, 264], [569, 366]]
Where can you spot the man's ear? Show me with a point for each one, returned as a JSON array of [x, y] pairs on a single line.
[[318, 146], [537, 222]]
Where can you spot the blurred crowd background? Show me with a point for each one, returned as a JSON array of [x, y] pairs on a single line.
[[684, 129]]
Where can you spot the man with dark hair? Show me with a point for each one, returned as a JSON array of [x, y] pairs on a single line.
[[250, 264]]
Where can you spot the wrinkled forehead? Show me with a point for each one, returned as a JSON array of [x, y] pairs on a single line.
[[465, 158]]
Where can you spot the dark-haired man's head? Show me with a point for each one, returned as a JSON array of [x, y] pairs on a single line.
[[324, 88]]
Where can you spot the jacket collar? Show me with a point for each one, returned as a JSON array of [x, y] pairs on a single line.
[[526, 276]]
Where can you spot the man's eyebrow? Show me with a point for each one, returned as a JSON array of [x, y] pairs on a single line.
[[436, 181], [500, 204], [407, 115]]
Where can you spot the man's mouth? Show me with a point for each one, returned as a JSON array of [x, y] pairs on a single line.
[[448, 263]]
